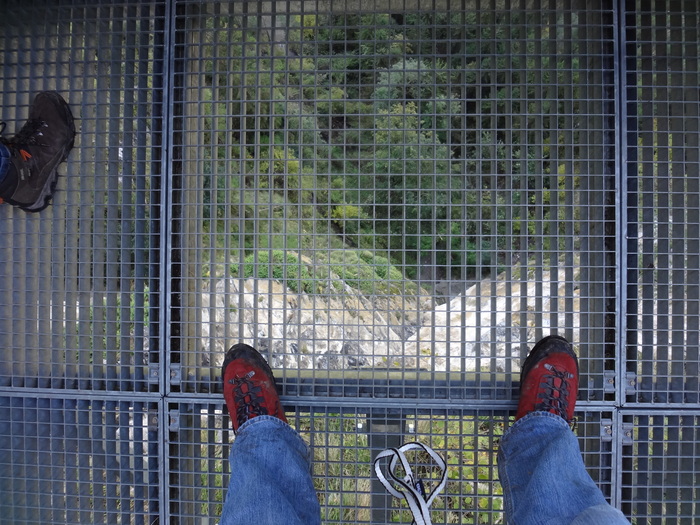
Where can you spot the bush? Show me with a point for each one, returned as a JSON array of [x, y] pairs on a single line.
[[286, 268], [368, 273]]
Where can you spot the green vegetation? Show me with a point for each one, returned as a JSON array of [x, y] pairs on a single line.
[[410, 136], [343, 469], [343, 472], [364, 271], [284, 267], [368, 273]]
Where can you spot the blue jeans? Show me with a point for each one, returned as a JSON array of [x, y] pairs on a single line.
[[270, 476], [539, 461], [544, 479], [4, 161]]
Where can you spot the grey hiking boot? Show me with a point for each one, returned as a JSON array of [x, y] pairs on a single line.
[[36, 151]]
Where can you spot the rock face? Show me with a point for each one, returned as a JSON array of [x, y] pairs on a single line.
[[488, 325], [303, 331], [484, 328]]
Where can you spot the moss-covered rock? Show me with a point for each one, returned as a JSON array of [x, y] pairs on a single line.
[[285, 267], [369, 273], [361, 270]]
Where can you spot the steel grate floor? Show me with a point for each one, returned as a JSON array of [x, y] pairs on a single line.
[[392, 201]]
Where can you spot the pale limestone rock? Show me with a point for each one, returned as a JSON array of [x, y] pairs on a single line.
[[485, 328], [297, 330]]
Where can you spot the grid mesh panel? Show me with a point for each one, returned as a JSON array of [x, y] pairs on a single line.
[[82, 271], [372, 195], [664, 323], [344, 443], [662, 469], [78, 461], [391, 200]]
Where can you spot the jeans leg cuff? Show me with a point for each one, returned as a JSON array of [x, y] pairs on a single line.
[[551, 419], [273, 425], [273, 420]]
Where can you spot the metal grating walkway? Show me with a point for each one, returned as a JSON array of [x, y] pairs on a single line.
[[392, 200]]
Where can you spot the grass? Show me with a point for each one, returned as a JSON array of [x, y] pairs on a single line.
[[343, 470], [368, 273], [278, 265], [343, 473]]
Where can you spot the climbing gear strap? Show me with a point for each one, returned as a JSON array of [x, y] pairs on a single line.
[[410, 487]]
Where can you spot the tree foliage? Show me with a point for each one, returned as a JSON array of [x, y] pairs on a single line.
[[410, 134]]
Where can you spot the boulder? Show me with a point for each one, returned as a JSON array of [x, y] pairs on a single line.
[[343, 328], [489, 323], [296, 330]]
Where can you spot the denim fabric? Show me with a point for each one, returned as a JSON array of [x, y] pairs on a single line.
[[270, 476], [539, 462], [544, 479], [4, 161]]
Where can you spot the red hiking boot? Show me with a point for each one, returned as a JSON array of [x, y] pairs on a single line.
[[549, 379], [249, 386]]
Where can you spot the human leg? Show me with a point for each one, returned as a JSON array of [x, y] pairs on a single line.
[[270, 465], [4, 161], [539, 460], [270, 476], [544, 478]]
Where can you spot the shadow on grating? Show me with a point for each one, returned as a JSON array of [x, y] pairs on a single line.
[[77, 460], [662, 467]]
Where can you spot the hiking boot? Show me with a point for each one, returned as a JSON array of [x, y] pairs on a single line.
[[36, 151], [249, 386], [549, 379]]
